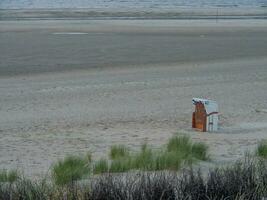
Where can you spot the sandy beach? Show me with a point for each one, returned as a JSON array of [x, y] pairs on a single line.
[[70, 87]]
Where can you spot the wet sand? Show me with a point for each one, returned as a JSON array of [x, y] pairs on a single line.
[[47, 46], [69, 87]]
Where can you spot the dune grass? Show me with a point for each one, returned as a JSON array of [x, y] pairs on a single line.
[[199, 151], [70, 169], [262, 149], [168, 161], [239, 181], [179, 144], [118, 151], [120, 165], [245, 179], [144, 159], [8, 176], [101, 166], [178, 151], [187, 149]]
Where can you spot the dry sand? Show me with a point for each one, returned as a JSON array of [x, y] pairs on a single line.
[[127, 82]]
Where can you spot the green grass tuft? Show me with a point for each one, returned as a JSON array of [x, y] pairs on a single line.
[[70, 169], [168, 160], [262, 149], [101, 166], [187, 149], [118, 151], [120, 165], [182, 144], [8, 176], [144, 159], [199, 151]]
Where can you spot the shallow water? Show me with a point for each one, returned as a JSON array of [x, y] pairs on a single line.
[[130, 4]]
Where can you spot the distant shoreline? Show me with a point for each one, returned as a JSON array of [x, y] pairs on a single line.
[[87, 14]]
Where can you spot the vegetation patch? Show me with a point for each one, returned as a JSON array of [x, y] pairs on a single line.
[[66, 173], [70, 169], [262, 149], [245, 179], [178, 151], [118, 151], [101, 166], [8, 176]]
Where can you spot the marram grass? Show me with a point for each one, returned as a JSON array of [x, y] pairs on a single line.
[[242, 180], [262, 149], [187, 149], [178, 151], [70, 169], [8, 176], [101, 166], [118, 151], [245, 179]]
